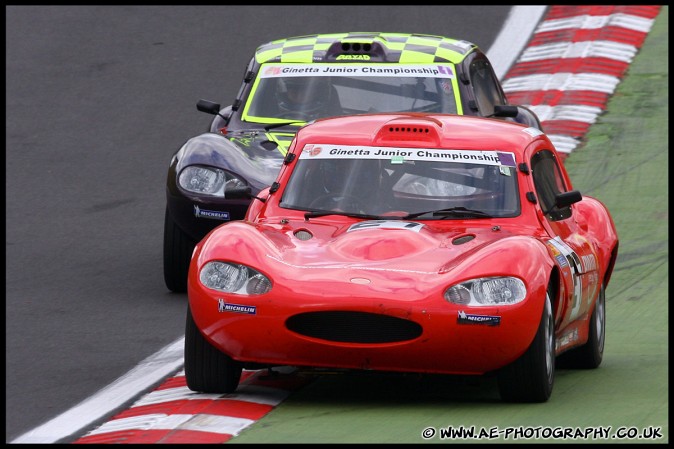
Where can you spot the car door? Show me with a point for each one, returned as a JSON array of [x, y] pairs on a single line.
[[574, 252]]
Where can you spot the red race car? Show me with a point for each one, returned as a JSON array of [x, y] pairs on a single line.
[[411, 243]]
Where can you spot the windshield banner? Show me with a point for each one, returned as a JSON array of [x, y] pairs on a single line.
[[318, 69], [400, 155]]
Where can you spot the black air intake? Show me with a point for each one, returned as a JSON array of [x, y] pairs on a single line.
[[354, 327]]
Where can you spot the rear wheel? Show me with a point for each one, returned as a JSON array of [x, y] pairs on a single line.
[[590, 355], [178, 248], [531, 377], [207, 369]]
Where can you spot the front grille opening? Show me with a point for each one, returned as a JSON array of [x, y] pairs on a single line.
[[354, 327]]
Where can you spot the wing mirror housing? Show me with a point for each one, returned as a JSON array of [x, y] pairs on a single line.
[[240, 193], [565, 199], [520, 114], [209, 107], [505, 110]]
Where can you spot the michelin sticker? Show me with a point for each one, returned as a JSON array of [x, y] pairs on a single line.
[[487, 320], [215, 214], [236, 308]]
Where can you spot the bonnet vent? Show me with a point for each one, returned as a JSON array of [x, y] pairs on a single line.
[[463, 239], [303, 234]]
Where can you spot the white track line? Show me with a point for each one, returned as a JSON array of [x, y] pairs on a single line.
[[146, 374], [514, 36]]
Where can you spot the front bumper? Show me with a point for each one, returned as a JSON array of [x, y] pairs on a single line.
[[361, 330]]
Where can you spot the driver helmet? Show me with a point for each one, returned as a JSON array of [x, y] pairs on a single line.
[[304, 96]]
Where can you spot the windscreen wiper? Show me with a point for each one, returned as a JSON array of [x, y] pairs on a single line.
[[278, 125], [458, 211]]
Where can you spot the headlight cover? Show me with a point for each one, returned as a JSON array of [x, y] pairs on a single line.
[[205, 180], [491, 291], [234, 278]]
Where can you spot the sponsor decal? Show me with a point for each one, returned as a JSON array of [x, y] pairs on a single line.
[[272, 70], [567, 339], [506, 158], [312, 150], [236, 308], [351, 57], [561, 260], [469, 318], [214, 214], [386, 224], [505, 170], [243, 141], [559, 249], [589, 263], [397, 155], [570, 257]]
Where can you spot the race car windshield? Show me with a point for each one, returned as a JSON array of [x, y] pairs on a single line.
[[311, 91], [424, 184]]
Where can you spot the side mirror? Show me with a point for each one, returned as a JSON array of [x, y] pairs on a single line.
[[505, 110], [208, 107], [527, 117], [238, 193], [565, 199]]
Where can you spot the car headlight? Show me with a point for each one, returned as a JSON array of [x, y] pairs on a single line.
[[208, 180], [234, 278], [492, 291]]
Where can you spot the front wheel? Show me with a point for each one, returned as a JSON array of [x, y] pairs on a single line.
[[207, 370], [531, 377]]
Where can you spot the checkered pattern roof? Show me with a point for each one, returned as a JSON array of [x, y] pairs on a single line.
[[397, 47]]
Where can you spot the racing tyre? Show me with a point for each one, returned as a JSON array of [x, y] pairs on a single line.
[[589, 355], [207, 370], [531, 377], [178, 249]]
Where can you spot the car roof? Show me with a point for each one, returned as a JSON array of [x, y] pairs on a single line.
[[414, 130], [404, 48]]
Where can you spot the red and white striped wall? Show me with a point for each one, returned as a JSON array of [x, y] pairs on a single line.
[[173, 414], [573, 63]]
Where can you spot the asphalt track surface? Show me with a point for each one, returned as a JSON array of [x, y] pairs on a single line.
[[98, 98], [632, 391]]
